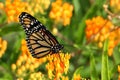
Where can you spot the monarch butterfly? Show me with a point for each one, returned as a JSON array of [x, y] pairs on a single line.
[[39, 40]]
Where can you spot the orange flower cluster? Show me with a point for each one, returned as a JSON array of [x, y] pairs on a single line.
[[114, 40], [115, 4], [61, 12], [14, 7], [99, 29], [26, 63], [3, 46], [58, 65]]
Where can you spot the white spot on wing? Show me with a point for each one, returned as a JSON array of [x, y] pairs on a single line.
[[32, 23]]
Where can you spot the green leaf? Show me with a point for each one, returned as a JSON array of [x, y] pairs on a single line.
[[5, 73], [94, 75], [76, 6], [80, 33], [8, 28], [78, 71], [116, 54], [16, 50], [3, 17], [104, 71]]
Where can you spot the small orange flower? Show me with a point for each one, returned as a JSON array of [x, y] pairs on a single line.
[[58, 64], [61, 12], [118, 68], [97, 25], [114, 40], [115, 4], [65, 78], [119, 77], [37, 76], [1, 5], [3, 46], [77, 77], [13, 8], [99, 29], [26, 63]]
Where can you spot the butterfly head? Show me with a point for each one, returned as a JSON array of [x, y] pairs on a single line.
[[56, 48]]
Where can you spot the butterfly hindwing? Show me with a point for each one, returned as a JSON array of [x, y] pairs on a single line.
[[40, 41]]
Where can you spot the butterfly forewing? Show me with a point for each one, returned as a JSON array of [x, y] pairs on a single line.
[[40, 41]]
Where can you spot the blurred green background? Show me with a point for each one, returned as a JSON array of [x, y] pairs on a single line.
[[87, 59]]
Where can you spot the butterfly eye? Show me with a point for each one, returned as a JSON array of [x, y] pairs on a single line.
[[40, 41]]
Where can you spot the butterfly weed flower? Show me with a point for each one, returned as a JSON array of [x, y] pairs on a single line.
[[13, 8], [3, 46], [36, 76], [26, 63], [118, 72], [77, 77], [41, 43], [58, 65], [1, 5], [61, 12], [115, 5], [118, 68], [38, 6], [99, 29], [64, 78]]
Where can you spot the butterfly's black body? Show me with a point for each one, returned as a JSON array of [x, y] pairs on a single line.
[[40, 41]]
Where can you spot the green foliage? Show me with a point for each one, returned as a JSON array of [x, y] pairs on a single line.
[[104, 71], [88, 60], [94, 75]]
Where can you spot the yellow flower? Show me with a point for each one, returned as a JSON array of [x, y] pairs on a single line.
[[97, 25], [114, 40], [3, 46], [36, 76], [99, 29], [58, 65], [77, 77], [65, 78], [26, 63], [36, 6], [61, 12], [1, 5], [13, 67], [119, 77], [13, 8], [119, 68], [20, 78], [115, 4]]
